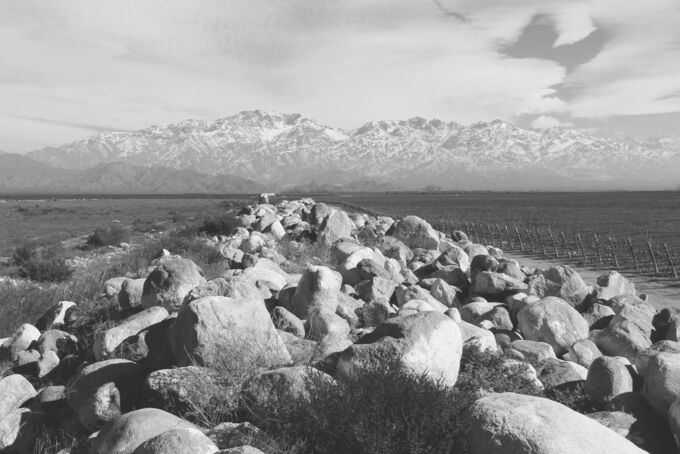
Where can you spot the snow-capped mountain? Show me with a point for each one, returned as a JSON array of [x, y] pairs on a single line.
[[290, 150]]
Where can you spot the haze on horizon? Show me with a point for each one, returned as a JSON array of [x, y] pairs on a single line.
[[73, 68]]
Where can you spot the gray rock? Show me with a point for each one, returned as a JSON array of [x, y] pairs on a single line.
[[170, 282], [554, 321]]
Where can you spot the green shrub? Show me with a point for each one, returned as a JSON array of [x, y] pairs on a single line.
[[44, 264], [107, 236]]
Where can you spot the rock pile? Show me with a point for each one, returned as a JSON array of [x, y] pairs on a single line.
[[413, 296]]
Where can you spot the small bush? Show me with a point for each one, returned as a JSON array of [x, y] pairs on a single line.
[[299, 253], [218, 224], [107, 236], [42, 264]]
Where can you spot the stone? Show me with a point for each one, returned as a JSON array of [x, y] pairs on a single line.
[[178, 441], [101, 391], [455, 255], [557, 372], [285, 320], [646, 434], [319, 213], [415, 232], [21, 340], [623, 338], [348, 309], [405, 294], [59, 342], [520, 424], [613, 284], [562, 282], [336, 225], [377, 311], [170, 282], [56, 317], [131, 292], [643, 358], [674, 421], [663, 319], [127, 432], [482, 262], [18, 431], [182, 388], [661, 386], [583, 352], [554, 321], [534, 352], [375, 288], [112, 286], [226, 328], [607, 378], [444, 293], [598, 315], [476, 337], [424, 343], [496, 285], [322, 322], [15, 390], [214, 287], [106, 341], [318, 288]]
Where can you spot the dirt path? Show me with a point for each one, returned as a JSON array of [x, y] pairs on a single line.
[[662, 292]]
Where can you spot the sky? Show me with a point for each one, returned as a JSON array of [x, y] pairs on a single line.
[[70, 69]]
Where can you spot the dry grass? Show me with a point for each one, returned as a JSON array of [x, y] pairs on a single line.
[[300, 253]]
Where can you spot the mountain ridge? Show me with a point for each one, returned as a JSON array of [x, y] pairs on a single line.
[[283, 151]]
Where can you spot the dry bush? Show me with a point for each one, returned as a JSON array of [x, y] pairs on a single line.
[[108, 236], [300, 253], [42, 263]]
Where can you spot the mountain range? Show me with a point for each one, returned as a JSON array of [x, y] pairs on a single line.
[[254, 150]]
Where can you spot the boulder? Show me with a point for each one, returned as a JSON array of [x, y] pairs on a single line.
[[112, 286], [376, 311], [336, 225], [444, 293], [169, 283], [18, 431], [646, 434], [583, 352], [127, 432], [607, 378], [534, 352], [643, 358], [623, 338], [178, 441], [613, 284], [674, 421], [230, 329], [562, 282], [415, 292], [322, 322], [22, 338], [106, 341], [556, 372], [415, 232], [496, 285], [56, 317], [15, 390], [425, 342], [131, 292], [57, 341], [554, 321], [661, 385], [520, 424], [285, 320], [476, 337], [318, 288], [455, 255], [101, 391]]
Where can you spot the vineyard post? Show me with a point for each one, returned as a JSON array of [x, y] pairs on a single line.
[[552, 240], [632, 252], [566, 246], [507, 233], [651, 254], [474, 232], [597, 248], [613, 249], [488, 227], [583, 250], [500, 235], [540, 239], [531, 243], [519, 237], [670, 261]]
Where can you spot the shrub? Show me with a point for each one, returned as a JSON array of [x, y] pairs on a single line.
[[42, 264], [299, 253], [218, 224], [107, 236]]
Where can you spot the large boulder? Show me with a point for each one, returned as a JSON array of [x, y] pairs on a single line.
[[496, 285], [335, 226], [18, 431], [58, 316], [623, 338], [415, 232], [127, 432], [613, 284], [318, 288], [228, 329], [534, 352], [14, 391], [554, 321], [662, 386], [607, 378], [424, 342], [131, 292], [178, 441], [106, 341], [170, 282], [520, 424], [562, 282], [22, 338], [101, 391]]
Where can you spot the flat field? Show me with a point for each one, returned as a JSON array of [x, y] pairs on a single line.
[[47, 220], [588, 220]]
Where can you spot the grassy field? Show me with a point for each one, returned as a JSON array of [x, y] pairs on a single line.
[[49, 220], [643, 217]]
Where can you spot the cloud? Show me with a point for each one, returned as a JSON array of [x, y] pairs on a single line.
[[546, 122], [128, 64]]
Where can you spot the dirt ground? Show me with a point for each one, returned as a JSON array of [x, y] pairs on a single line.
[[661, 292]]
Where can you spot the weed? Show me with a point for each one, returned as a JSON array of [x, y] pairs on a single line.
[[107, 236]]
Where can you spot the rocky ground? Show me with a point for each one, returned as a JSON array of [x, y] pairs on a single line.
[[391, 292]]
